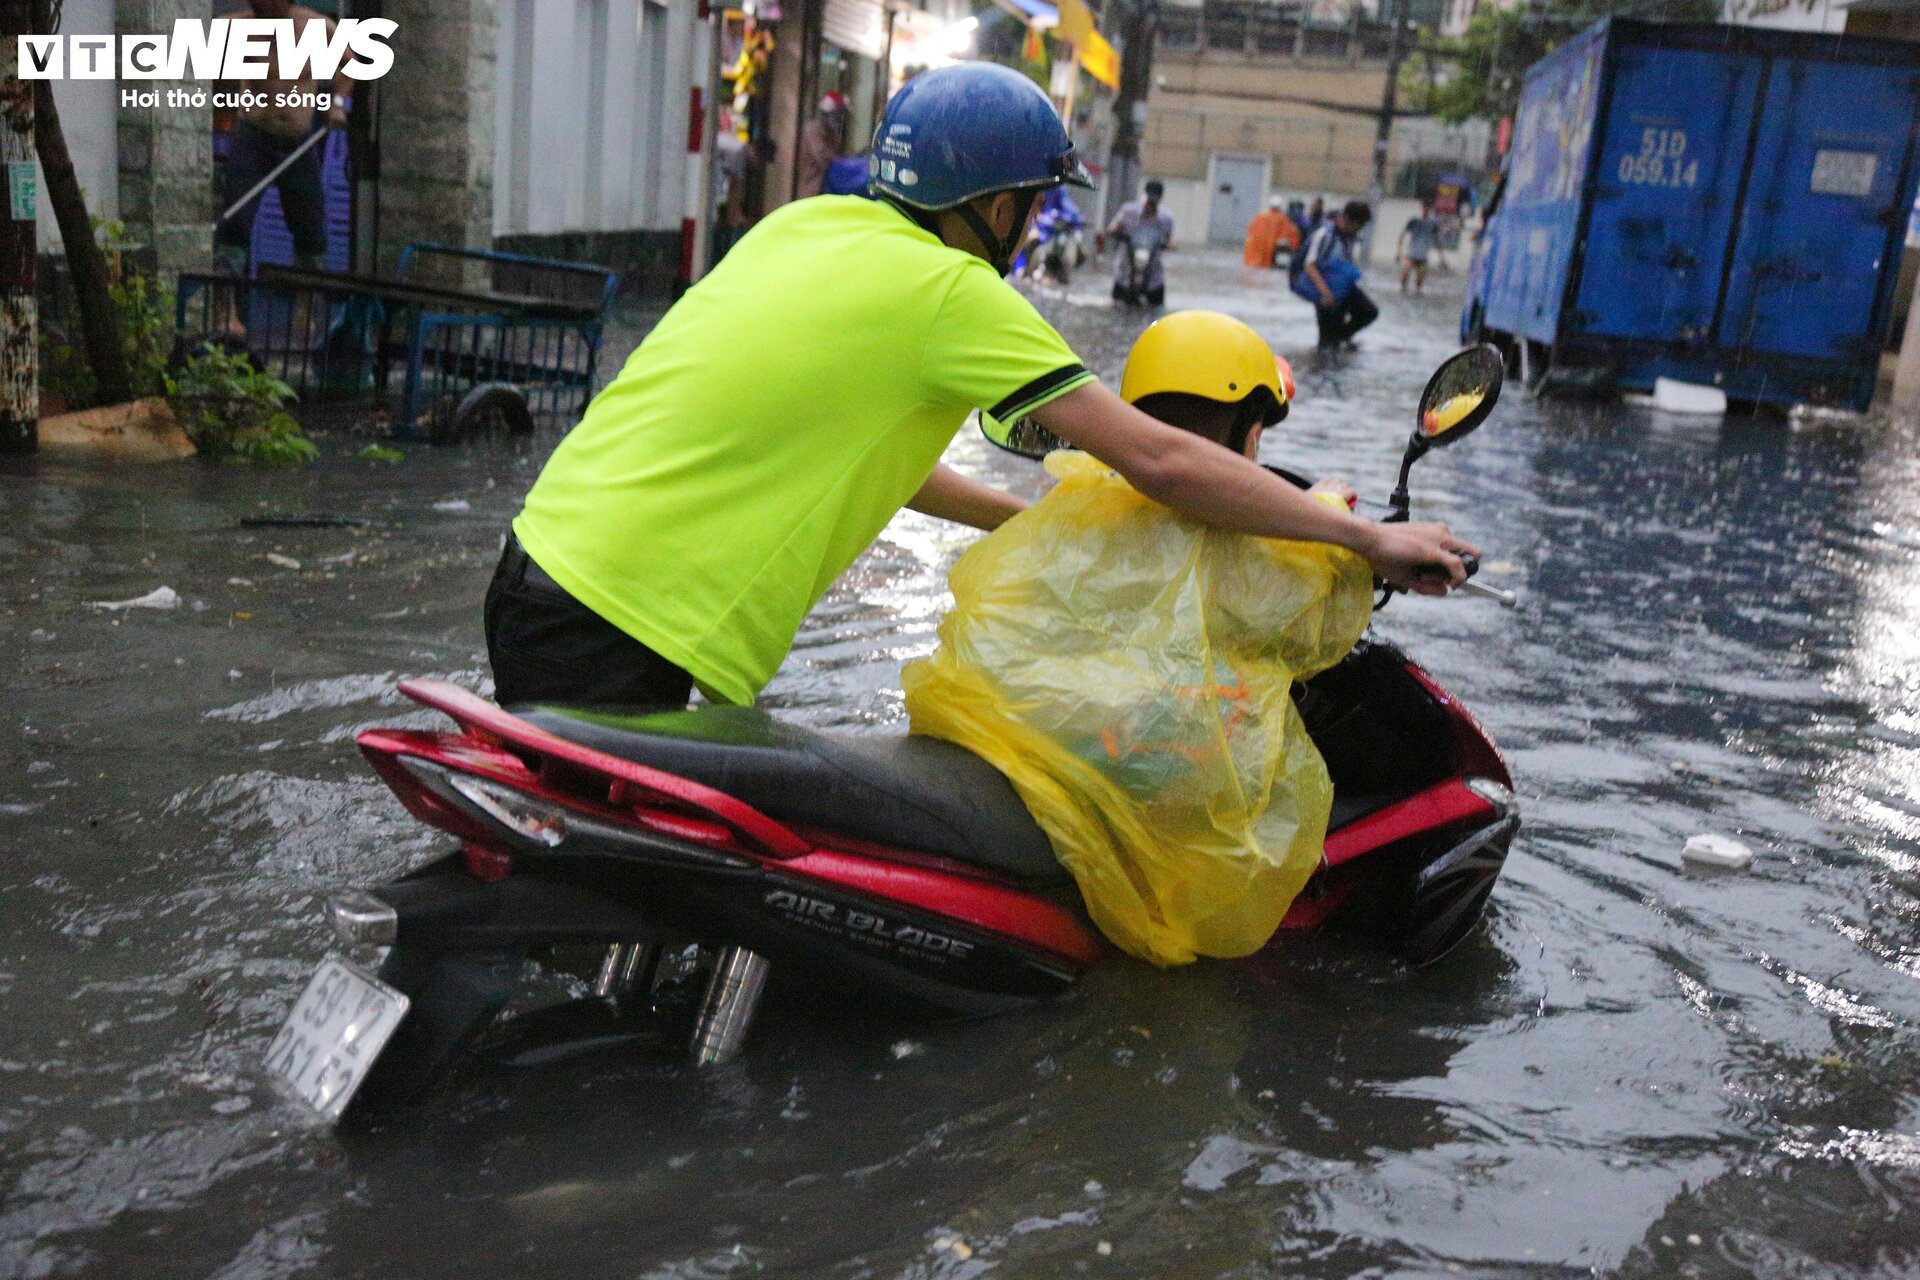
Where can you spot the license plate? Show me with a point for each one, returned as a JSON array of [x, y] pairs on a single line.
[[336, 1030]]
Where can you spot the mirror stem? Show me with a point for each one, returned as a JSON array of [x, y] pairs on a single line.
[[1401, 501]]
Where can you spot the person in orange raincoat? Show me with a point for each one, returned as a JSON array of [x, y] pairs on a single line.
[[1268, 233]]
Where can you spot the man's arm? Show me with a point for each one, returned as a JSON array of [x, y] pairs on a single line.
[[1311, 270], [1318, 281], [949, 495], [1216, 486]]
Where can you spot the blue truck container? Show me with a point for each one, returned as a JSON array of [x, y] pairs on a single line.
[[1719, 204]]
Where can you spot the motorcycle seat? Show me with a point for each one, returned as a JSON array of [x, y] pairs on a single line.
[[919, 794]]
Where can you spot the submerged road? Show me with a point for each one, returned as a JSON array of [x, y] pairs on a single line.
[[1634, 1070]]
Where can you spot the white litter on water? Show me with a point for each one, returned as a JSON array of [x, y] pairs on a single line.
[[453, 504], [908, 1049], [1707, 850], [158, 598], [285, 562]]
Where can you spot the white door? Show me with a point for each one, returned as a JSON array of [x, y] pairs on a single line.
[[1239, 190]]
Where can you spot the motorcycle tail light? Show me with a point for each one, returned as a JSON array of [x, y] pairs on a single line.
[[486, 864], [522, 815]]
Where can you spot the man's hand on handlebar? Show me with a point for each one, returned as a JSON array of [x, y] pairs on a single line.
[[1422, 558]]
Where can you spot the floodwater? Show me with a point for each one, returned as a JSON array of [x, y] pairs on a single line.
[[1635, 1070]]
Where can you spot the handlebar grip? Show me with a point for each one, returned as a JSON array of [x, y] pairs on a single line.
[[1468, 561]]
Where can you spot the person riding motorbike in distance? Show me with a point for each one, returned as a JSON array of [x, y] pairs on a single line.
[[682, 530]]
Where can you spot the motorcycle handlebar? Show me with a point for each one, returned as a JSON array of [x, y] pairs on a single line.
[[1507, 599]]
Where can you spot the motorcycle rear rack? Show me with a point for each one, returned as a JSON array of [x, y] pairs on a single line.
[[551, 757], [494, 743]]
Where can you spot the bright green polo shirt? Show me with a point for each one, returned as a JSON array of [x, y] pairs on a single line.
[[772, 423]]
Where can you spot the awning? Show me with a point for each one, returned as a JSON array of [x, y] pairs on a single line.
[[1039, 10]]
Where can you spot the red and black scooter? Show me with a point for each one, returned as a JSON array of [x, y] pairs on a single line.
[[744, 849]]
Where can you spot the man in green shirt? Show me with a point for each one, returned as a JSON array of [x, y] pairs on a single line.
[[679, 535]]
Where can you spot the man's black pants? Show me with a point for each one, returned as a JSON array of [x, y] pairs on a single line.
[[303, 197], [1346, 317], [545, 646]]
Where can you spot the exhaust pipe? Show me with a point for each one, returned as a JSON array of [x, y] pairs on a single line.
[[739, 976]]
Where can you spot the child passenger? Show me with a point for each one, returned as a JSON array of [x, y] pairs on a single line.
[[1130, 670]]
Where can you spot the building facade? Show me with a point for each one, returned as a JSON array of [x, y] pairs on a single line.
[[592, 107], [1254, 99]]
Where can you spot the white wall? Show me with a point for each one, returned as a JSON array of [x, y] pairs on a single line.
[[591, 114], [1186, 202], [89, 111]]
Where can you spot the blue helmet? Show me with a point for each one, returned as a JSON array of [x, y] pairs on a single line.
[[968, 130]]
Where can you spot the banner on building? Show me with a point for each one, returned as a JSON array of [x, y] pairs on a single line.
[[1097, 58]]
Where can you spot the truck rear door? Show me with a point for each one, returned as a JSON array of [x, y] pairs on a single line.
[[1830, 183], [1676, 136]]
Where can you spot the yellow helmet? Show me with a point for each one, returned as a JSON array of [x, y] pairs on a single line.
[[1210, 355]]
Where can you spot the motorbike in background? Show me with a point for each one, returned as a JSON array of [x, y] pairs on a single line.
[[1056, 242], [699, 857], [1134, 285]]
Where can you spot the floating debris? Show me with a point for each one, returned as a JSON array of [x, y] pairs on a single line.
[[1721, 852], [158, 598], [303, 522], [285, 562]]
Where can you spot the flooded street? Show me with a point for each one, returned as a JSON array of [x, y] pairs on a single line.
[[1633, 1070]]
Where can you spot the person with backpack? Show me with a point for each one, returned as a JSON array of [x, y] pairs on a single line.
[[1329, 278]]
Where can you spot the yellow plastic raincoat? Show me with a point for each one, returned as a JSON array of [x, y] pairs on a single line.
[[1129, 671]]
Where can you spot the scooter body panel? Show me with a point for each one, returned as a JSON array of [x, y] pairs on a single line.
[[562, 844]]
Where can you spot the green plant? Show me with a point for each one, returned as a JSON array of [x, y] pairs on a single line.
[[145, 310], [1480, 73], [230, 409], [382, 453]]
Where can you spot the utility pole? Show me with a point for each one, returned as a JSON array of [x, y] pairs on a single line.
[[86, 262], [19, 315], [1389, 102], [1130, 104]]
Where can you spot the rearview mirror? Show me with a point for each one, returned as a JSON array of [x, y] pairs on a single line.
[[1459, 396], [1023, 436]]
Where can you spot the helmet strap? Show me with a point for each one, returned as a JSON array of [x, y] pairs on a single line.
[[1000, 250], [1244, 422]]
